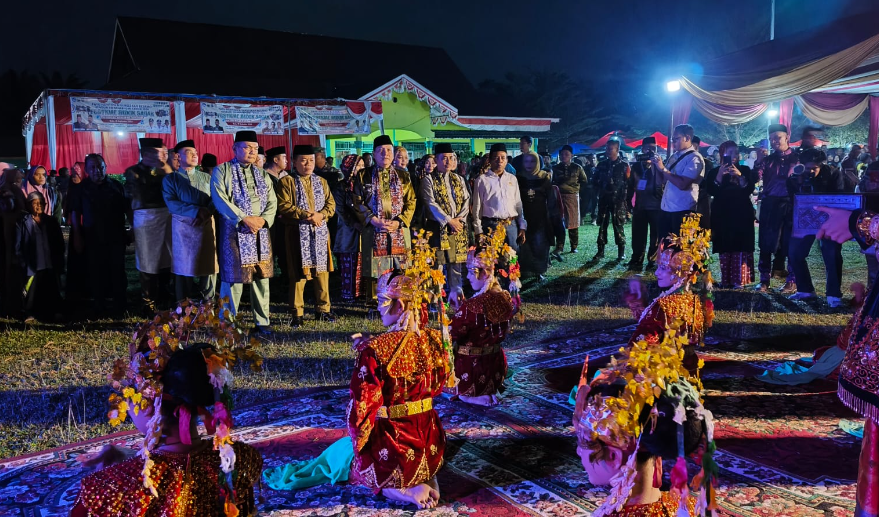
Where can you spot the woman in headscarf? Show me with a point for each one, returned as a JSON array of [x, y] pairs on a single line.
[[346, 246], [732, 217], [536, 188], [12, 209], [38, 181]]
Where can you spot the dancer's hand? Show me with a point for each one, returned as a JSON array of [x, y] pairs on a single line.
[[835, 227], [108, 455]]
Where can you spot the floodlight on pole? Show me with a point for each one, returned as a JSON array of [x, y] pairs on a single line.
[[673, 86], [120, 133], [772, 113]]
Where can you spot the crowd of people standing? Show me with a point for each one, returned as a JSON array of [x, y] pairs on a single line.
[[200, 228]]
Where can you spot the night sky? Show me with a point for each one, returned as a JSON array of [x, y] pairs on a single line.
[[635, 39]]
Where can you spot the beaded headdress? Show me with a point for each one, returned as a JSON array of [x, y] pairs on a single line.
[[494, 250], [687, 253], [646, 372], [138, 382]]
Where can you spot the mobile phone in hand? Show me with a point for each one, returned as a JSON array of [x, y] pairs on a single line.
[[727, 160]]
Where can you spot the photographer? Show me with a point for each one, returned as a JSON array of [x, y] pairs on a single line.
[[814, 176], [732, 217], [645, 185], [685, 170]]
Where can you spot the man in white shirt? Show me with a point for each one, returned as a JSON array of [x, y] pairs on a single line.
[[496, 199], [682, 176]]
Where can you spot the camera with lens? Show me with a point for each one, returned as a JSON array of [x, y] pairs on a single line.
[[646, 157]]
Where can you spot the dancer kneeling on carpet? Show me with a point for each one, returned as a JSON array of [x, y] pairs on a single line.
[[642, 409], [396, 441], [681, 267], [164, 388], [481, 324]]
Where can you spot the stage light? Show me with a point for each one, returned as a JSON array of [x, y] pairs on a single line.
[[772, 113], [673, 86], [120, 133]]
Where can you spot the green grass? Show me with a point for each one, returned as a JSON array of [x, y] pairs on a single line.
[[53, 377]]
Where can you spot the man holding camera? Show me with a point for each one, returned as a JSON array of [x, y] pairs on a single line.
[[776, 210], [682, 176], [645, 185], [814, 176]]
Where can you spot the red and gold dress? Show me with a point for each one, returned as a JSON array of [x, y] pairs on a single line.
[[667, 506], [187, 485], [695, 314], [478, 329], [397, 435]]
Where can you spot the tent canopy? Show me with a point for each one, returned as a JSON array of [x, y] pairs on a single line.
[[830, 73]]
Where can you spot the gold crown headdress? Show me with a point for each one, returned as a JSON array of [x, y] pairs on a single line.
[[647, 371], [139, 380], [688, 252], [495, 249]]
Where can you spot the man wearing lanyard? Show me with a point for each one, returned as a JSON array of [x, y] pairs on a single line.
[[645, 185], [682, 176]]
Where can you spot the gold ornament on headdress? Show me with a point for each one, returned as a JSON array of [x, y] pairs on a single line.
[[694, 253], [420, 281], [139, 380]]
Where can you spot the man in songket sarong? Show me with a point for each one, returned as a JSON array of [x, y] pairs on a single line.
[[151, 222], [568, 176], [385, 202], [305, 203], [246, 204], [188, 195], [448, 204]]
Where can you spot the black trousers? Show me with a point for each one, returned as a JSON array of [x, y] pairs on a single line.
[[611, 211], [155, 287], [106, 274], [670, 222], [773, 237], [642, 221]]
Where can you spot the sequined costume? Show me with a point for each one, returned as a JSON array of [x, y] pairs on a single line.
[[119, 491], [479, 327], [859, 375], [398, 437], [695, 314], [667, 506]]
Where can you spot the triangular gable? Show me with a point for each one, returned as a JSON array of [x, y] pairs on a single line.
[[405, 84]]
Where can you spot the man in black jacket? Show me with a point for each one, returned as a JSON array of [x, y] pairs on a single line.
[[816, 178], [645, 185]]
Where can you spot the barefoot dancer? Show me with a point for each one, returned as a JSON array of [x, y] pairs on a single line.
[[481, 324], [397, 437]]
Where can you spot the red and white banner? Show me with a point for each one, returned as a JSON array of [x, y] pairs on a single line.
[[219, 118], [129, 115], [353, 118]]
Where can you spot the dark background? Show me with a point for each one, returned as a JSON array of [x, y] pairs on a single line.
[[620, 52]]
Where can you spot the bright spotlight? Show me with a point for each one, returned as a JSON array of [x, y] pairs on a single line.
[[772, 113], [120, 133], [673, 86]]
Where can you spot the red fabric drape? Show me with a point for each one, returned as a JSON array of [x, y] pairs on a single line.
[[682, 106], [786, 113], [874, 125], [120, 152]]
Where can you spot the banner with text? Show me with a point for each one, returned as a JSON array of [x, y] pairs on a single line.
[[129, 115], [231, 118], [353, 118]]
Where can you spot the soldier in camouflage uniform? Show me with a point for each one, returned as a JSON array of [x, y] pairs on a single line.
[[611, 177]]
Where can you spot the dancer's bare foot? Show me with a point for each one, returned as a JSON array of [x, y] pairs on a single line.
[[482, 400], [434, 484], [422, 496]]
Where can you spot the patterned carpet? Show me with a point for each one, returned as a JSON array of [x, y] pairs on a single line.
[[781, 452]]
